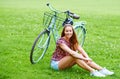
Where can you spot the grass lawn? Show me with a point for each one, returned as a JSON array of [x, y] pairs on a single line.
[[21, 22]]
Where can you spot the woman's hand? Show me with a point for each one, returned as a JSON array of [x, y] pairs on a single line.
[[88, 59]]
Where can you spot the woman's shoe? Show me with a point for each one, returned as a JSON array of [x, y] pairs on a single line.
[[97, 74], [106, 72]]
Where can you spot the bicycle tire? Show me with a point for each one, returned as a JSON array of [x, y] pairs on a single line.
[[81, 33], [40, 46]]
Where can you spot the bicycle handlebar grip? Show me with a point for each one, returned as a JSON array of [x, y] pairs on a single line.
[[75, 16]]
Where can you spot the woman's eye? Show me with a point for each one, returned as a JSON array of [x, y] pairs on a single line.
[[68, 30]]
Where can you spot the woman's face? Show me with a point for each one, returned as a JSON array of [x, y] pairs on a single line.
[[68, 32]]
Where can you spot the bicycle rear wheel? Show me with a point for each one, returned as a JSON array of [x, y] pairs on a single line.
[[80, 32], [40, 47]]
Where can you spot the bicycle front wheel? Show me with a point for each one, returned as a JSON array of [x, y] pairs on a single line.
[[40, 46], [80, 32]]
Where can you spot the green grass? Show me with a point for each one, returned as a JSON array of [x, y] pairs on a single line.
[[21, 22]]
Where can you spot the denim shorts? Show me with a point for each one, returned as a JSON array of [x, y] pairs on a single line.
[[54, 65]]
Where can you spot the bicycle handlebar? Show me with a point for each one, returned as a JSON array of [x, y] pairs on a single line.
[[53, 9], [73, 15]]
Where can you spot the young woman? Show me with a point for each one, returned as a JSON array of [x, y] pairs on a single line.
[[68, 53]]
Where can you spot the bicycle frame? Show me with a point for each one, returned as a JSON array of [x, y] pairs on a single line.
[[52, 28]]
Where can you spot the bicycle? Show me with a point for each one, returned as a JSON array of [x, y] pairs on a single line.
[[53, 22]]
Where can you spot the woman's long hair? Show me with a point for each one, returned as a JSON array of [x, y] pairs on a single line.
[[73, 39]]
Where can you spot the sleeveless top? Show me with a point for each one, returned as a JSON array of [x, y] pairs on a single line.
[[59, 53]]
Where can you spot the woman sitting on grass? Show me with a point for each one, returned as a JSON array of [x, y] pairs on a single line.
[[68, 53]]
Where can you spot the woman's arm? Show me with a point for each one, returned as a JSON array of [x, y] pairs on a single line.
[[81, 50], [73, 53]]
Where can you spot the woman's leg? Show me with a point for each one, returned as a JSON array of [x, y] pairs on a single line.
[[101, 70], [66, 62], [69, 61], [94, 65], [83, 64]]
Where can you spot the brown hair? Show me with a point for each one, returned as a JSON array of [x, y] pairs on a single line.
[[73, 39]]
